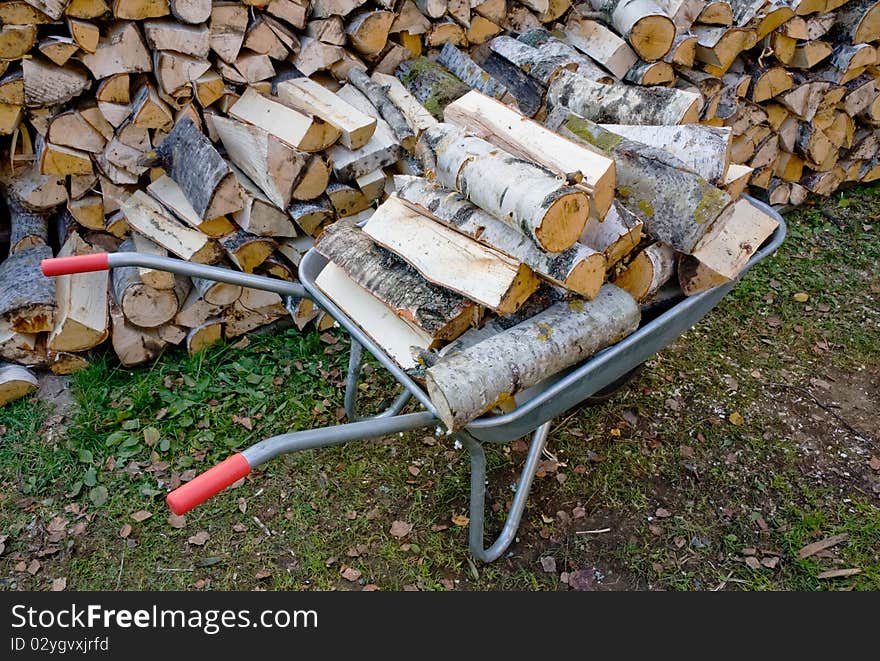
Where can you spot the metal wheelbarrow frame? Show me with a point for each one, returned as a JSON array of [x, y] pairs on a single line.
[[536, 408]]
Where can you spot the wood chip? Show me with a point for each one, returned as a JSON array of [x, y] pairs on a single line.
[[821, 545]]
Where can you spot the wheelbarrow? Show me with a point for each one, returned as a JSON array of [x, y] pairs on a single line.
[[536, 407]]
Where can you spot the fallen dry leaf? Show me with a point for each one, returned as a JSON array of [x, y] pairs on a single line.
[[141, 515], [244, 421], [351, 516], [578, 512], [239, 527], [460, 520], [548, 564], [874, 463], [753, 562], [655, 530], [350, 574], [774, 321], [263, 573], [770, 563], [370, 587], [176, 521], [33, 567], [582, 580], [59, 584], [199, 538], [662, 513], [736, 419], [821, 545], [400, 529], [125, 531], [801, 297], [839, 573]]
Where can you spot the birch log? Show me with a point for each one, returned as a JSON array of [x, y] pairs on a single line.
[[623, 104], [446, 258], [528, 197], [27, 228], [15, 382], [647, 28], [390, 112], [578, 269], [27, 297], [81, 321], [133, 345], [649, 270], [465, 384], [148, 217], [703, 149], [676, 205], [616, 236], [440, 313], [202, 174], [501, 125]]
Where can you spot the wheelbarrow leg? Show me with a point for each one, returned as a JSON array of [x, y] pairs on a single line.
[[476, 531], [355, 361]]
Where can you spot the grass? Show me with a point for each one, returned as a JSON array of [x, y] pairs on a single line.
[[692, 500]]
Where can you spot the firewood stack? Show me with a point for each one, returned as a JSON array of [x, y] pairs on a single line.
[[235, 133]]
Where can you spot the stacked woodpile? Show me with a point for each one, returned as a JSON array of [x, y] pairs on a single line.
[[235, 133]]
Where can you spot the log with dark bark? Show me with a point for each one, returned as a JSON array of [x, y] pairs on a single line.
[[440, 313], [27, 297]]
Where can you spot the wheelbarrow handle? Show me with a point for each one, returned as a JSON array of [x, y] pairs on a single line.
[[208, 484], [75, 264], [103, 261]]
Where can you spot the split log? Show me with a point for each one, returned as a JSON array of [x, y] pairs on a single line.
[[616, 236], [646, 27], [171, 195], [703, 149], [247, 251], [27, 297], [311, 216], [81, 320], [121, 50], [288, 125], [274, 166], [133, 345], [451, 260], [71, 129], [524, 195], [601, 44], [649, 270], [227, 27], [734, 238], [142, 305], [439, 313], [499, 124], [255, 308], [675, 204], [191, 11], [857, 22], [383, 148], [202, 174], [304, 94], [372, 184], [315, 55], [22, 348], [47, 84], [623, 104], [155, 278], [465, 384], [578, 269], [203, 336], [15, 382], [346, 200], [368, 31], [216, 293], [195, 311], [259, 215], [147, 216], [393, 334]]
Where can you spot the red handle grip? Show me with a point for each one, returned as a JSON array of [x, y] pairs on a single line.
[[208, 484], [75, 264]]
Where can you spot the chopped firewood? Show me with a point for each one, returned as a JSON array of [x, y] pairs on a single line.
[[27, 297], [448, 259], [15, 382]]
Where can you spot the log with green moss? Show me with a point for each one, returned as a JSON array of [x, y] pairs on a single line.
[[431, 84], [676, 205]]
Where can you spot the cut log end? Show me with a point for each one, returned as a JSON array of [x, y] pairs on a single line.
[[563, 221]]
